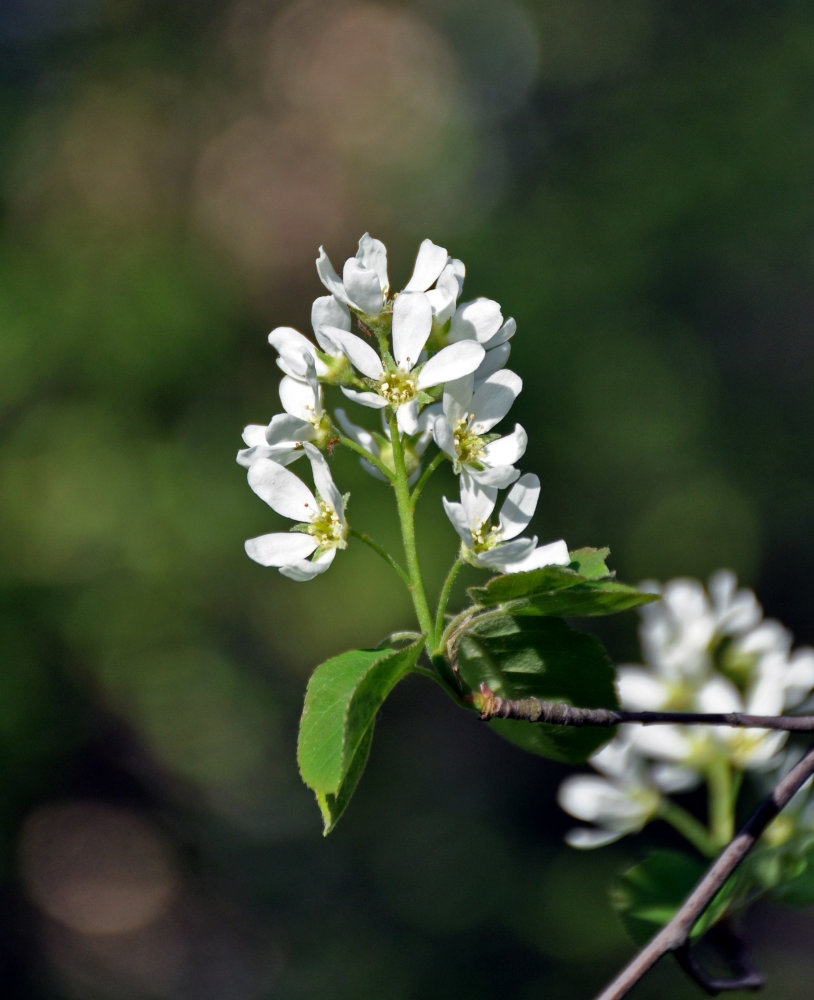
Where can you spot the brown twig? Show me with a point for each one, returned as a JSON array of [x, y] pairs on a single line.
[[674, 936], [559, 714]]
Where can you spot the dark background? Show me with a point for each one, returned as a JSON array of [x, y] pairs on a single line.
[[633, 181]]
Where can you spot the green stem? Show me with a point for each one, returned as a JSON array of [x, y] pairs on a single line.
[[445, 592], [689, 827], [382, 552], [721, 810], [425, 475], [369, 457], [406, 511]]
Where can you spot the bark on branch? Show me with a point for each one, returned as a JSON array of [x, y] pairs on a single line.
[[673, 937], [491, 706]]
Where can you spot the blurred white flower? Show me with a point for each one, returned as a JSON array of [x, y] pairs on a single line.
[[709, 651], [497, 547], [620, 801], [321, 529]]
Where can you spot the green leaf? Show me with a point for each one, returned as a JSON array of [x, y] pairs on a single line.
[[510, 586], [585, 587], [590, 563], [521, 657], [603, 597], [799, 889], [647, 896], [341, 702]]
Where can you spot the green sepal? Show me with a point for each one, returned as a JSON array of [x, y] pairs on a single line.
[[648, 895], [540, 657], [343, 697]]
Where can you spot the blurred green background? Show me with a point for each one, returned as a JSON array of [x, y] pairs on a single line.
[[634, 181]]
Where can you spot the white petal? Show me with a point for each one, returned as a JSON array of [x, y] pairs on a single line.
[[371, 399], [373, 254], [640, 689], [506, 332], [328, 311], [477, 320], [591, 798], [412, 322], [553, 554], [254, 434], [407, 417], [444, 297], [519, 506], [506, 450], [329, 278], [672, 778], [363, 287], [508, 556], [452, 362], [458, 399], [668, 742], [287, 429], [293, 348], [356, 433], [323, 480], [280, 548], [478, 501], [360, 354], [248, 456], [586, 838], [429, 264], [499, 476], [298, 398], [493, 399], [493, 361], [444, 438], [309, 568], [460, 522], [282, 490], [719, 695]]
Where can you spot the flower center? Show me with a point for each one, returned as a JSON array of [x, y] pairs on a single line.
[[468, 446], [397, 388], [326, 526], [485, 537]]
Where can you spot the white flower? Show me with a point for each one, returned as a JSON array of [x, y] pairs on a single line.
[[468, 415], [482, 320], [621, 802], [380, 445], [321, 528], [305, 419], [397, 383], [498, 547], [365, 286]]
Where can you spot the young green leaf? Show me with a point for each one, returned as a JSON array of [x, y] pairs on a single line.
[[600, 597], [585, 587], [341, 702], [648, 895], [541, 657]]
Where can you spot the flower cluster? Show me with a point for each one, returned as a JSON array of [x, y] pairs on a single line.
[[705, 651], [435, 370]]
